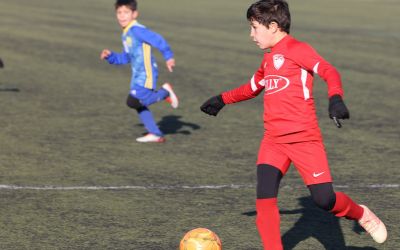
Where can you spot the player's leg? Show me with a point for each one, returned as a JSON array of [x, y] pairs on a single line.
[[323, 195], [341, 205], [146, 117], [337, 203], [166, 92], [311, 161], [268, 218], [149, 97], [271, 167], [172, 97]]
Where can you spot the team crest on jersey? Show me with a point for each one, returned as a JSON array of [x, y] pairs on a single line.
[[278, 61], [127, 44]]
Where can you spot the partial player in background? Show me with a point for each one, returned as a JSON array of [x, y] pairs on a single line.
[[1, 63], [138, 42], [292, 134]]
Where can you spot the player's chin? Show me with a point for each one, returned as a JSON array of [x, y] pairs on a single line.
[[261, 46], [123, 24]]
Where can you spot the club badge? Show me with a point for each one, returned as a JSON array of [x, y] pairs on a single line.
[[278, 61]]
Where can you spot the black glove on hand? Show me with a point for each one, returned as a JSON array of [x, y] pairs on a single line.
[[213, 105], [337, 108]]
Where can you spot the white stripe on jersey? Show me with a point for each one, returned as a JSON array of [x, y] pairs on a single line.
[[253, 84], [306, 91], [315, 69]]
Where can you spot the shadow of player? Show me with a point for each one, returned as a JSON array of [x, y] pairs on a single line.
[[172, 124], [318, 224], [6, 88]]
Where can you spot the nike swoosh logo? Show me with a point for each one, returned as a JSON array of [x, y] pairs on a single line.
[[317, 174]]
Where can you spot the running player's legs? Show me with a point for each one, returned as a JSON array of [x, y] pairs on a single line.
[[145, 115]]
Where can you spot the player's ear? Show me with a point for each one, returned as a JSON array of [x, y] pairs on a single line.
[[135, 14], [273, 26]]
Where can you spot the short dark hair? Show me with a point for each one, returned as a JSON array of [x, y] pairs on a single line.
[[268, 11], [131, 4]]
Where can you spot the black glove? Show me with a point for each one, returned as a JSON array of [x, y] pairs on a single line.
[[213, 105], [337, 108]]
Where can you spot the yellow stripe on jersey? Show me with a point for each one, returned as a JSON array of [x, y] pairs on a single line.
[[147, 66], [126, 29]]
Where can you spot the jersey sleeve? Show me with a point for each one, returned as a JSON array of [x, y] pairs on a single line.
[[155, 40], [118, 58], [248, 90], [310, 60]]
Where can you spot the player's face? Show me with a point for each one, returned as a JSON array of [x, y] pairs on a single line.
[[263, 36], [125, 15]]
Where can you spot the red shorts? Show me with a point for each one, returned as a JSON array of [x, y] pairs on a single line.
[[308, 157]]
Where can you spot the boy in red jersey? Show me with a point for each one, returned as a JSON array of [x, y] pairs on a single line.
[[291, 132]]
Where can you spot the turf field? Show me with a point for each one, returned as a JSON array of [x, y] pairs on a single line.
[[73, 177]]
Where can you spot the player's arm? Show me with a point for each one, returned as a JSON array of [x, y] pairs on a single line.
[[156, 41], [312, 61], [244, 92], [114, 57]]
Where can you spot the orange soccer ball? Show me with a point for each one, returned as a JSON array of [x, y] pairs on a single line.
[[200, 239]]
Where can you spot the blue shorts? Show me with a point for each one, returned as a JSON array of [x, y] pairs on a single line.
[[148, 96]]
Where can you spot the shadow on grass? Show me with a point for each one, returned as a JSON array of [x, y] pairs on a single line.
[[5, 88], [316, 223], [9, 89], [172, 124]]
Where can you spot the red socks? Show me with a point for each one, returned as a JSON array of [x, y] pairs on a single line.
[[268, 223], [268, 218], [346, 207]]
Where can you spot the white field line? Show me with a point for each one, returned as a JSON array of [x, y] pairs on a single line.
[[231, 186], [179, 187]]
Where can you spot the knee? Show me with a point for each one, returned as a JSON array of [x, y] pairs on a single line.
[[325, 203], [268, 180], [134, 103], [323, 196]]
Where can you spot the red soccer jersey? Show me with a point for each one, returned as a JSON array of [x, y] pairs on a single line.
[[286, 73]]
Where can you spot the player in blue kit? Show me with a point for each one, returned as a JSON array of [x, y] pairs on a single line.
[[138, 42]]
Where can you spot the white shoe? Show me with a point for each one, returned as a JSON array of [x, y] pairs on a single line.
[[172, 98], [373, 225], [150, 138]]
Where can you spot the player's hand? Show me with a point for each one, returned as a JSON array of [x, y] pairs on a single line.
[[104, 54], [213, 105], [337, 109], [170, 64]]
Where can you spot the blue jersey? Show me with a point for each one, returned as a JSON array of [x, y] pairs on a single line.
[[138, 42]]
